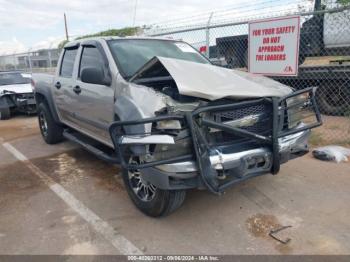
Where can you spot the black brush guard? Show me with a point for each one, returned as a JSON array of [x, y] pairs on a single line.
[[201, 148]]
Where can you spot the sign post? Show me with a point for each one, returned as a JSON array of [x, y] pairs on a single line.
[[274, 46]]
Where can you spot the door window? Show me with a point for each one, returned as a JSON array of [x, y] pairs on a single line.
[[68, 62], [91, 57]]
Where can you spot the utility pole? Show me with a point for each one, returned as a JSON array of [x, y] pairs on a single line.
[[135, 10], [66, 27]]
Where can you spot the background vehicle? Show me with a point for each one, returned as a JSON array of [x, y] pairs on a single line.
[[324, 57], [170, 118], [16, 94]]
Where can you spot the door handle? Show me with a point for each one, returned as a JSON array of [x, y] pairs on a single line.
[[58, 85], [77, 89]]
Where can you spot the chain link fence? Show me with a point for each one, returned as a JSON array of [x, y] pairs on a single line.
[[43, 60], [324, 53]]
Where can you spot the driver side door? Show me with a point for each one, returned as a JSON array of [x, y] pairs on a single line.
[[95, 107]]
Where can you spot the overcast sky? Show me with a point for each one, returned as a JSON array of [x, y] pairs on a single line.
[[33, 23]]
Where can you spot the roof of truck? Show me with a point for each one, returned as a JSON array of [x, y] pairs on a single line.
[[106, 38]]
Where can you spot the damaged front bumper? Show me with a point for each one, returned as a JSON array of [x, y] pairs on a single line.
[[218, 166], [21, 102], [248, 161]]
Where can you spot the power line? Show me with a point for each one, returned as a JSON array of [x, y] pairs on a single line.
[[255, 5]]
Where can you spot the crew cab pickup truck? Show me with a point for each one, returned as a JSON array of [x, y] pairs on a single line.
[[170, 118]]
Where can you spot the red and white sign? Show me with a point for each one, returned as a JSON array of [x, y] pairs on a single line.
[[274, 46]]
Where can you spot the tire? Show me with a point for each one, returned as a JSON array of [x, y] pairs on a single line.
[[5, 113], [51, 132], [161, 203], [333, 99]]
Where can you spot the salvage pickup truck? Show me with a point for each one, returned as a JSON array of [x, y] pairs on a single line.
[[170, 118]]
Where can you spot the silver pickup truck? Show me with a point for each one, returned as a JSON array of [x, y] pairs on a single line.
[[170, 118]]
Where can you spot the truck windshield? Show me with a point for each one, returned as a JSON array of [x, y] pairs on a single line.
[[13, 79], [132, 54]]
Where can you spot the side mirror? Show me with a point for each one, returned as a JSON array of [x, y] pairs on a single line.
[[94, 75]]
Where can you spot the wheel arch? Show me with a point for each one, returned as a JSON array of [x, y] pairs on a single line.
[[44, 97]]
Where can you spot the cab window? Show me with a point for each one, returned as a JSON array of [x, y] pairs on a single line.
[[91, 57], [68, 62]]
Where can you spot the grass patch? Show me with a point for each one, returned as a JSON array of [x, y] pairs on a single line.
[[316, 139], [342, 142], [334, 127]]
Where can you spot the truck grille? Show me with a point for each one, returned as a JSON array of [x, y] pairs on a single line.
[[255, 118]]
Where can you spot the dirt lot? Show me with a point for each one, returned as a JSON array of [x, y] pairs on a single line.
[[62, 200], [335, 130]]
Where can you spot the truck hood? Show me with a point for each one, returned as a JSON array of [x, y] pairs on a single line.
[[18, 89], [211, 82]]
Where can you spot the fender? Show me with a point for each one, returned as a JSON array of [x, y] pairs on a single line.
[[126, 109], [44, 93]]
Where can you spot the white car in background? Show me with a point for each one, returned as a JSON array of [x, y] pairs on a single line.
[[16, 94]]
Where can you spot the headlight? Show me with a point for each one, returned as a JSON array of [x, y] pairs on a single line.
[[169, 124], [296, 105]]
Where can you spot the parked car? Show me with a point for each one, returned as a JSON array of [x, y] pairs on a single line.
[[171, 119], [16, 94]]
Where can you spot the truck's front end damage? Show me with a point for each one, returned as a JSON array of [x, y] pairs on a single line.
[[16, 94], [230, 135], [20, 102]]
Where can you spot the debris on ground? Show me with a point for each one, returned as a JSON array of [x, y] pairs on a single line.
[[332, 153], [261, 224], [273, 233]]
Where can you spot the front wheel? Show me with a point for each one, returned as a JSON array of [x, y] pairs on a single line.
[[5, 113], [151, 200]]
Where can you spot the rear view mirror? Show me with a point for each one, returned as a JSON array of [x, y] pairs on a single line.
[[94, 75]]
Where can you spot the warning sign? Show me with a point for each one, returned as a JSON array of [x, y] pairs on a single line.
[[274, 46]]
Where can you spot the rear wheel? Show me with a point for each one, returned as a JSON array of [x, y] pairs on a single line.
[[151, 200], [5, 113], [50, 130]]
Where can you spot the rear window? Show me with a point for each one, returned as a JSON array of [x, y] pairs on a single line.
[[68, 62]]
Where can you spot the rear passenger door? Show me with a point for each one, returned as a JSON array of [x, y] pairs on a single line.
[[95, 107], [63, 85]]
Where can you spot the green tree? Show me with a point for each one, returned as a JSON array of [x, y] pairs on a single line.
[[127, 31], [343, 2], [62, 43]]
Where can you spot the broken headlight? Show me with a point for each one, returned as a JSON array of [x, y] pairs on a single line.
[[296, 106]]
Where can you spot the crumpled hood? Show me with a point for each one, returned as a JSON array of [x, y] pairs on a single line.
[[213, 82], [19, 89]]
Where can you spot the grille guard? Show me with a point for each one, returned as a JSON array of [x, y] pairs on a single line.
[[201, 149]]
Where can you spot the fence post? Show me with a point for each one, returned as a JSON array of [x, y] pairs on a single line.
[[30, 62], [14, 61], [207, 35], [49, 56]]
